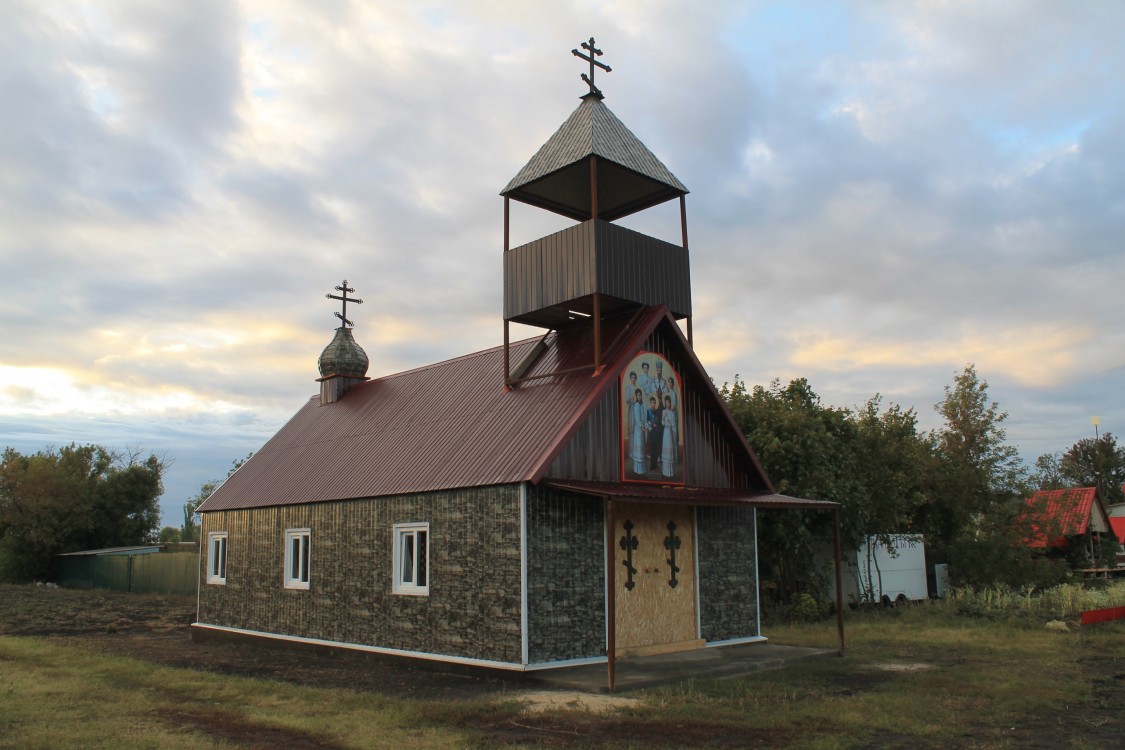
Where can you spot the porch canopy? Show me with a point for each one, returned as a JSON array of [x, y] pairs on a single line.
[[688, 495], [609, 491]]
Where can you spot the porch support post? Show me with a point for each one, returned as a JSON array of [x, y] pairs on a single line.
[[839, 580], [611, 597]]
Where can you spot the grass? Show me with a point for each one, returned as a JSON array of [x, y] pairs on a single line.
[[976, 670], [1065, 602], [54, 696]]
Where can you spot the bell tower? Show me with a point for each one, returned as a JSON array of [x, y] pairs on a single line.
[[592, 170]]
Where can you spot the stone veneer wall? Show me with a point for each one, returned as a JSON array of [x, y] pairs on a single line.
[[565, 576], [473, 609], [728, 581]]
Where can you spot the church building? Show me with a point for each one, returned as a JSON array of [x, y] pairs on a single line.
[[582, 496]]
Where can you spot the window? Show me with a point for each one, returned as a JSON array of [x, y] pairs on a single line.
[[217, 557], [297, 558], [412, 559]]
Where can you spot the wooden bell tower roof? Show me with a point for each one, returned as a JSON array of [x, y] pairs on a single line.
[[629, 177]]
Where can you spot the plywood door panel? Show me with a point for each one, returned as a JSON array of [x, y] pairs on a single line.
[[653, 610]]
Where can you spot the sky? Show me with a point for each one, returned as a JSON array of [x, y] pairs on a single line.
[[881, 194]]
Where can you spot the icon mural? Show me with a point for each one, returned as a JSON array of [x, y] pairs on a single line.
[[652, 441]]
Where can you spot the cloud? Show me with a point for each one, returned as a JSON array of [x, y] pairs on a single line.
[[880, 194]]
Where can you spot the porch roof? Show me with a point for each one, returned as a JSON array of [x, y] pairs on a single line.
[[687, 495]]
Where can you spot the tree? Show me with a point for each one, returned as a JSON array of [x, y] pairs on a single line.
[[798, 443], [1048, 473], [891, 462], [871, 460], [977, 472], [190, 530], [1096, 462], [73, 498]]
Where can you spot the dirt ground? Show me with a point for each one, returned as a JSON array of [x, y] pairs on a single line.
[[156, 629]]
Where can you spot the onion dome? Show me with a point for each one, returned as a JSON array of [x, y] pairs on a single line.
[[343, 356]]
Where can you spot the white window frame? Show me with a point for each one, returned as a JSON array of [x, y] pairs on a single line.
[[217, 557], [405, 577], [299, 578]]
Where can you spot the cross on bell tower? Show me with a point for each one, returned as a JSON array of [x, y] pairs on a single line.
[[594, 52]]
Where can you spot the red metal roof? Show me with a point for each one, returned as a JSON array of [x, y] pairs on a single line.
[[1117, 523], [451, 424], [1062, 512]]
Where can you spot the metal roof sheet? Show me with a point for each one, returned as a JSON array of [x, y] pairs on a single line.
[[140, 549], [1066, 512], [1117, 523], [451, 424], [448, 425]]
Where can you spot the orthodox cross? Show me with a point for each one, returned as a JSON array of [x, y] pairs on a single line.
[[343, 297], [672, 543], [594, 52], [629, 543]]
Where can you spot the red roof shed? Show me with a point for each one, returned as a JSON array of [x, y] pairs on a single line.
[[1060, 514]]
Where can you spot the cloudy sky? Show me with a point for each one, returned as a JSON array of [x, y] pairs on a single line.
[[882, 193]]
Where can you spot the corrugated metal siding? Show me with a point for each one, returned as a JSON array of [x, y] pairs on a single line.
[[642, 269], [550, 271], [713, 454], [594, 453], [596, 256], [713, 457], [164, 573]]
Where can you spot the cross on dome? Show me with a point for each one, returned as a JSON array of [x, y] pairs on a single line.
[[343, 297]]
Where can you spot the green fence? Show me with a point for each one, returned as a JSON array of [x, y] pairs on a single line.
[[162, 573]]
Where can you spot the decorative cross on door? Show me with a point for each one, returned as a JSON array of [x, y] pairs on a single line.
[[672, 543], [629, 544]]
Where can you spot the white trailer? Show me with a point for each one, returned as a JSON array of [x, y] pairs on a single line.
[[888, 575]]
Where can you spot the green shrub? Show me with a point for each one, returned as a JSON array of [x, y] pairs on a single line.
[[983, 563], [801, 607]]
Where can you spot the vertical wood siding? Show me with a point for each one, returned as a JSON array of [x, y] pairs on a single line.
[[473, 609], [643, 269], [712, 454], [596, 256], [712, 457], [594, 453]]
